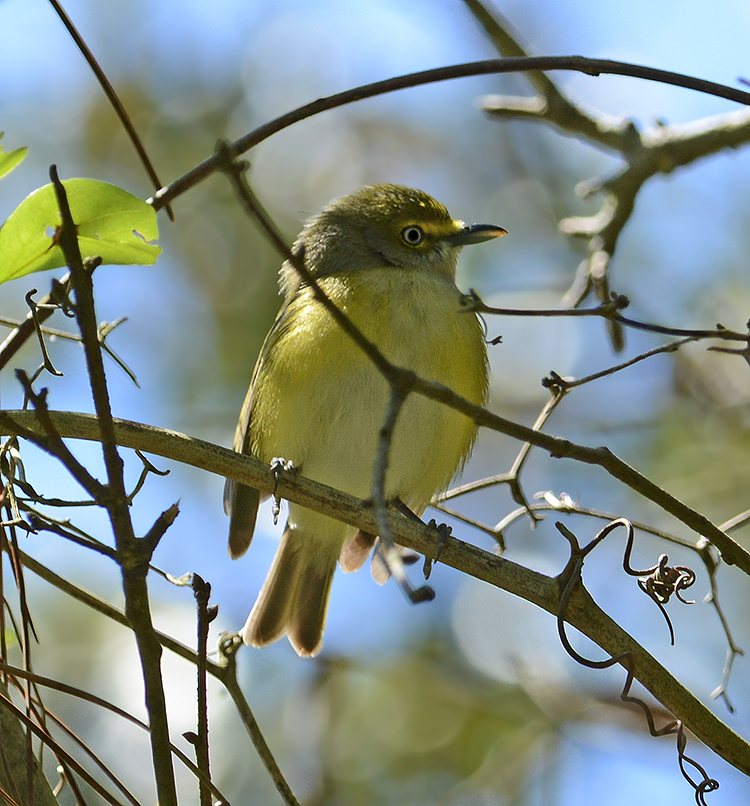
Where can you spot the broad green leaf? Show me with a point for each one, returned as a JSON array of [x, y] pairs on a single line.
[[9, 161], [112, 224]]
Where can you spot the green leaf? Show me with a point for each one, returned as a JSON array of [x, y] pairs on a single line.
[[112, 224], [9, 161]]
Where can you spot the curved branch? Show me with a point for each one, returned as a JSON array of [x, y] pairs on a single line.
[[581, 64], [582, 613]]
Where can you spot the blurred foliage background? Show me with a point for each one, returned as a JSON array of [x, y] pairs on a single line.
[[468, 700]]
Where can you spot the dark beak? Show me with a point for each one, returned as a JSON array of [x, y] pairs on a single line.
[[476, 233]]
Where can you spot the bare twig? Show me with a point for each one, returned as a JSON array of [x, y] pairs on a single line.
[[593, 67], [133, 555], [387, 546], [228, 646], [555, 382], [42, 734], [23, 331], [34, 311], [202, 593], [112, 96], [610, 311], [660, 149], [225, 671], [513, 474], [86, 696]]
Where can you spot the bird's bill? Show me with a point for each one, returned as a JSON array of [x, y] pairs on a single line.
[[476, 233]]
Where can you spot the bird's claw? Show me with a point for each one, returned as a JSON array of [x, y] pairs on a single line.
[[443, 533], [279, 466]]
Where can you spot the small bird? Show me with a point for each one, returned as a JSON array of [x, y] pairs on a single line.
[[386, 256]]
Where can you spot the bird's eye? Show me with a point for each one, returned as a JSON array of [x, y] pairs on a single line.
[[413, 235]]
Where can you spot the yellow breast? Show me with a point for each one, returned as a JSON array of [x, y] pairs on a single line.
[[319, 401]]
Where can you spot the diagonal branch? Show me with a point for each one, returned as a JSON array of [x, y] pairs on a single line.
[[582, 613], [254, 473]]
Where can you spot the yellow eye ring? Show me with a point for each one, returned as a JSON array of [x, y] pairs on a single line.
[[412, 235]]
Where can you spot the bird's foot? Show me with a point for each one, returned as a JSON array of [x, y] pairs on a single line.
[[279, 466], [443, 533]]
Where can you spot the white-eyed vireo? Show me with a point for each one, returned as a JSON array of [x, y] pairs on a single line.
[[386, 256]]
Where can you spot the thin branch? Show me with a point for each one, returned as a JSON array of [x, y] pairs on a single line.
[[23, 331], [660, 150], [228, 647], [112, 97], [235, 171], [389, 552], [133, 555], [564, 385], [513, 473], [512, 478], [202, 593], [225, 671], [14, 324], [39, 524], [593, 67], [42, 734], [46, 360], [64, 688], [608, 310], [104, 330]]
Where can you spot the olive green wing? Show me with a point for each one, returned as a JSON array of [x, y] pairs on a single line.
[[240, 501]]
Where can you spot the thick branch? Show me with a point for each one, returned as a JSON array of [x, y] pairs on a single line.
[[542, 591], [250, 471]]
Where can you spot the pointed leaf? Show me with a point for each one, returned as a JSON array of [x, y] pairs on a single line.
[[112, 224]]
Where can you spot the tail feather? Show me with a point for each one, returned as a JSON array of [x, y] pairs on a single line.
[[294, 597], [356, 551], [307, 620], [241, 504], [269, 618]]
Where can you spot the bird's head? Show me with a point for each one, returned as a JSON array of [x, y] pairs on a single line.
[[385, 226]]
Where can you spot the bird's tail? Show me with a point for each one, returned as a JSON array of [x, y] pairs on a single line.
[[294, 597]]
